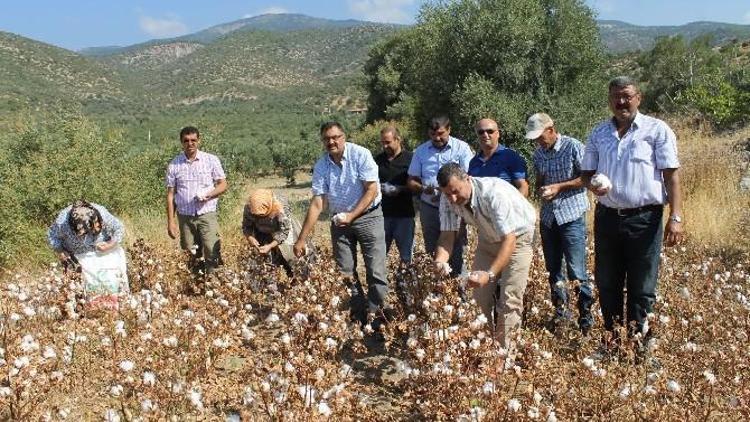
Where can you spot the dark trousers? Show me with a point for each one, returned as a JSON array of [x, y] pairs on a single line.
[[627, 248]]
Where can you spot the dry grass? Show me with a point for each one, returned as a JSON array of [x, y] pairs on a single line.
[[714, 206]]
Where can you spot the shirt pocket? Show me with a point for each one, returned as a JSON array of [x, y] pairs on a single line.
[[641, 152]]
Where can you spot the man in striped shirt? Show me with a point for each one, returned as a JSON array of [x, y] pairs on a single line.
[[638, 154], [557, 164], [195, 180]]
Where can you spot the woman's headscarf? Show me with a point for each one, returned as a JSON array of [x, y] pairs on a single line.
[[262, 203], [84, 218]]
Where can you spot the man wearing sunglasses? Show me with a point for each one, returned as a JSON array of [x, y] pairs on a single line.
[[495, 160], [557, 165]]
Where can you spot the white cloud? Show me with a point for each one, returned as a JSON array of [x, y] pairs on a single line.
[[273, 10], [381, 10], [162, 28]]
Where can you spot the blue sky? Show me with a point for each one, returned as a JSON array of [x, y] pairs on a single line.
[[75, 24]]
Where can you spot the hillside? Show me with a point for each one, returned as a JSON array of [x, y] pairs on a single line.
[[620, 37], [34, 73]]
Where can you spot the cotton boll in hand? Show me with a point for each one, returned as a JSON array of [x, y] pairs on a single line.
[[601, 181]]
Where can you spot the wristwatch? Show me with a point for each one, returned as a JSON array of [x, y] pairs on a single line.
[[675, 218], [490, 275]]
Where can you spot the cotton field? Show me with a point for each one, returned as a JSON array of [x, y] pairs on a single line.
[[250, 344]]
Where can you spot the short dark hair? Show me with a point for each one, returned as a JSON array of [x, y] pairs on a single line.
[[439, 121], [620, 82], [329, 125], [449, 171], [392, 130], [189, 130]]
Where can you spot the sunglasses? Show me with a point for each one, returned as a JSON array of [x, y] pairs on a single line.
[[487, 131]]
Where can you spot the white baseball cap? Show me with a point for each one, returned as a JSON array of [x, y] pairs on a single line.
[[536, 125]]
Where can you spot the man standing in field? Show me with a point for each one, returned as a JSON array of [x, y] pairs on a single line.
[[638, 154], [557, 165], [398, 207], [428, 158], [195, 180], [505, 223], [345, 180], [495, 160]]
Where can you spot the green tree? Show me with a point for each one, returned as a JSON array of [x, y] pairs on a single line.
[[499, 58]]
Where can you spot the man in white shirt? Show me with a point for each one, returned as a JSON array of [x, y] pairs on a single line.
[[638, 154], [505, 222]]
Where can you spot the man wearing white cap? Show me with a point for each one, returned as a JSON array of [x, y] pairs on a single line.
[[638, 154], [557, 164]]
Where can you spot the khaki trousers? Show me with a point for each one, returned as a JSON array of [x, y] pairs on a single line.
[[202, 233], [504, 296]]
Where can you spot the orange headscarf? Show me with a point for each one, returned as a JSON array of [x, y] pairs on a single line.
[[262, 203]]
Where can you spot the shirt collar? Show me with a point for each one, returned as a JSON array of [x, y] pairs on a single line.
[[197, 156], [474, 201], [343, 157], [448, 145], [498, 150], [558, 143]]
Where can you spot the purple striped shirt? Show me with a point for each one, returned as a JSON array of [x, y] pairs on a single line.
[[189, 178]]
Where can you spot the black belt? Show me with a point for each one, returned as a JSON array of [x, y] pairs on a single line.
[[370, 210], [627, 212]]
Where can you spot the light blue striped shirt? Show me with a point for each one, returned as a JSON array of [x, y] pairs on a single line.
[[427, 161], [343, 184], [558, 164], [634, 163]]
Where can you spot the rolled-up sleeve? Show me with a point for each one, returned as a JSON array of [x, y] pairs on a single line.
[[217, 171], [415, 167], [465, 156], [449, 220], [665, 148], [171, 175]]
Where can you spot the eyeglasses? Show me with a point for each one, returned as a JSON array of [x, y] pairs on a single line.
[[332, 137], [624, 98], [481, 132]]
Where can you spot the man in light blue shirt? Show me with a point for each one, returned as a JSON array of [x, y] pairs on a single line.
[[638, 154], [428, 158], [345, 179], [557, 165]]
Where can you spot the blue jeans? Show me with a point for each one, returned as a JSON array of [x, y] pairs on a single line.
[[627, 257], [400, 229], [568, 241]]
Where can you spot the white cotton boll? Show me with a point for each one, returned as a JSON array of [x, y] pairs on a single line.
[[552, 417], [149, 378], [600, 372], [335, 301], [474, 344], [288, 367], [649, 390], [710, 377], [588, 362], [28, 344], [673, 386], [411, 318], [111, 415], [307, 393], [248, 398], [331, 344], [247, 334], [685, 292], [624, 391], [299, 319], [116, 390], [21, 362], [345, 371], [170, 341], [322, 326], [126, 365], [199, 329], [514, 405], [323, 409], [690, 347], [533, 413], [601, 181], [420, 354], [5, 391], [29, 311], [286, 339], [147, 406], [488, 388], [272, 318], [49, 353], [195, 398], [56, 376]]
